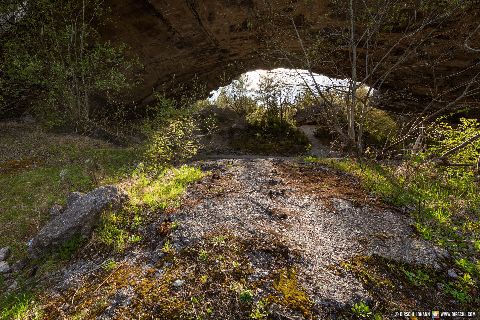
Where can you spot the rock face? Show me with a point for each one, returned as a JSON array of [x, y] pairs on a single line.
[[78, 218], [218, 40]]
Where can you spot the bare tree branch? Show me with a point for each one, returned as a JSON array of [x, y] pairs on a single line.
[[467, 40], [459, 147]]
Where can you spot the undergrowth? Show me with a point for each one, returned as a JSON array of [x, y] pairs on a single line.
[[285, 140], [20, 306], [37, 175]]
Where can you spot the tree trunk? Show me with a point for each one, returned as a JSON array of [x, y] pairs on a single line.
[[353, 82]]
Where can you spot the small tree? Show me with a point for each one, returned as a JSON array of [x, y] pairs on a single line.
[[378, 37], [276, 97], [52, 59]]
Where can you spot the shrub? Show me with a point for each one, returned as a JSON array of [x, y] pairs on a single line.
[[361, 310], [172, 134], [445, 136]]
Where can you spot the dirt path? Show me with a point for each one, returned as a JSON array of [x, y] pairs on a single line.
[[318, 149]]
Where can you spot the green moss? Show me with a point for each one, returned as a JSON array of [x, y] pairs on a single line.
[[293, 296]]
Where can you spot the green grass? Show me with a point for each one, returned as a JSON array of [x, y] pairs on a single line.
[[27, 196], [164, 190], [40, 169], [444, 204], [37, 175], [119, 229], [19, 306]]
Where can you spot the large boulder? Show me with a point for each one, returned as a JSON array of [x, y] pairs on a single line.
[[78, 219]]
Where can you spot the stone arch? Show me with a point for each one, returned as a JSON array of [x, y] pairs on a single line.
[[218, 40]]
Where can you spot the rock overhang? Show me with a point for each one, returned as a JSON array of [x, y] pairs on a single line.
[[215, 41]]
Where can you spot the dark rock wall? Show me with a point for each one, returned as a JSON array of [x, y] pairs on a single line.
[[178, 40]]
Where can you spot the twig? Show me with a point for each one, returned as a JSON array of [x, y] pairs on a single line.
[[460, 146]]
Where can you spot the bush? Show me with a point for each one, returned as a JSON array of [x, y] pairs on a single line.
[[445, 136], [172, 134]]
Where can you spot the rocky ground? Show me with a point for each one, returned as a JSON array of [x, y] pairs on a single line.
[[258, 238]]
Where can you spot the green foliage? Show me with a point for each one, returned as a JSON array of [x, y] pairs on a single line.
[[263, 122], [237, 97], [379, 128], [172, 134], [173, 143], [458, 294], [417, 277], [469, 266], [19, 306], [109, 265], [271, 108], [275, 101], [167, 247], [361, 310], [203, 255], [53, 61], [445, 136], [114, 230], [119, 229], [374, 126], [163, 190], [259, 311], [246, 296]]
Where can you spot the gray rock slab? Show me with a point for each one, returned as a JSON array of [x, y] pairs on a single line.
[[4, 267], [78, 218]]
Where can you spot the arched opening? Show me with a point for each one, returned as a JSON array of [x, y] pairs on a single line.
[[293, 111]]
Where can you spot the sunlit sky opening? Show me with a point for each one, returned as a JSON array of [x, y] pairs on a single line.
[[298, 80]]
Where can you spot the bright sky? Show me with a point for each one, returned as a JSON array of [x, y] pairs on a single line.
[[298, 79]]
